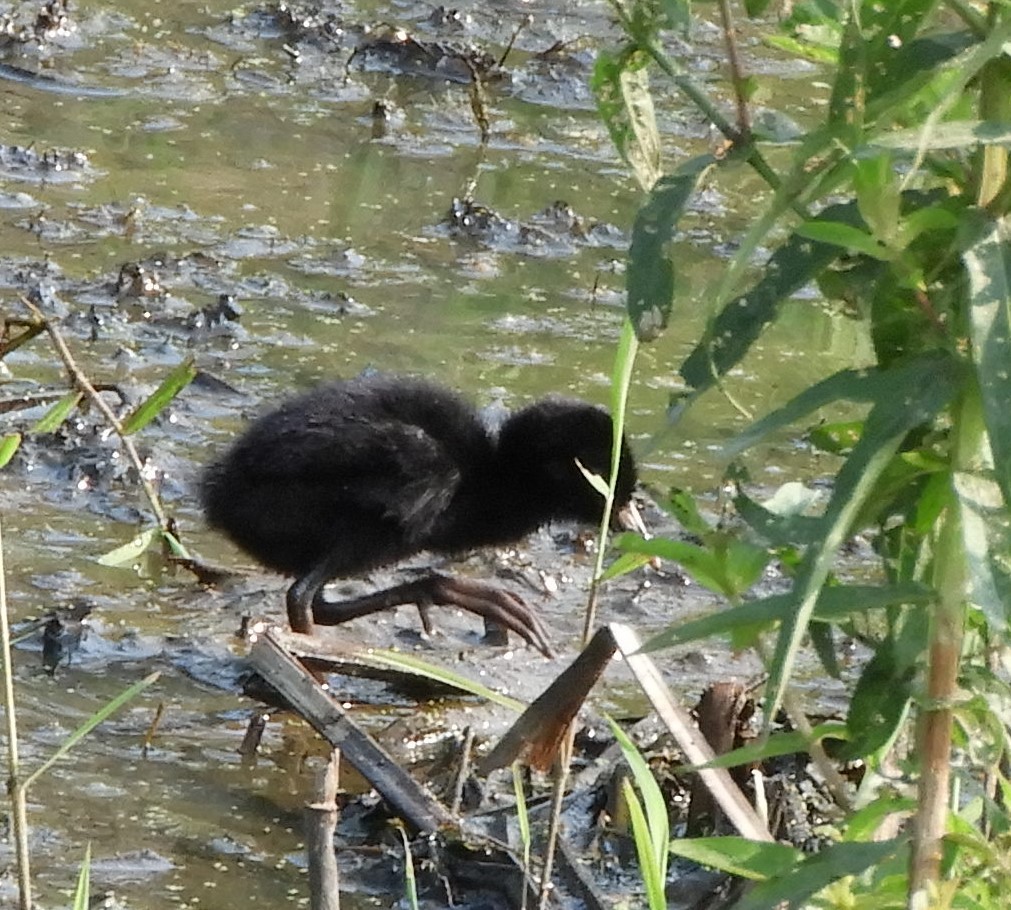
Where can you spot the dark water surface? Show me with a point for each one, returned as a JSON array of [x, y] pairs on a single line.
[[240, 154]]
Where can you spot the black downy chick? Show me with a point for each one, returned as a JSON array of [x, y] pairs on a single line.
[[366, 472]]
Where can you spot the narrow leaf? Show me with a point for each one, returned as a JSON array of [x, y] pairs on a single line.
[[82, 892], [171, 386], [921, 390], [418, 667], [739, 856], [129, 553], [845, 236], [9, 444], [816, 872], [54, 417], [833, 604], [776, 745], [84, 729]]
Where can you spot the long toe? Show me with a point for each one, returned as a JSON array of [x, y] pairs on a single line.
[[494, 605]]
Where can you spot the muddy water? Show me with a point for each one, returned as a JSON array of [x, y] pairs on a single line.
[[232, 153]]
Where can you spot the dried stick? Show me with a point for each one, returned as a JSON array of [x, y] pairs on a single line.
[[321, 820]]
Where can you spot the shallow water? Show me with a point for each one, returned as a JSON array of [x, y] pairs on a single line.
[[232, 165]]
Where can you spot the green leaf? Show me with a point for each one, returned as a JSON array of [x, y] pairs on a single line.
[[54, 417], [129, 553], [773, 747], [171, 386], [724, 564], [84, 729], [627, 562], [650, 277], [878, 196], [921, 389], [833, 604], [845, 236], [82, 893], [988, 263], [813, 873], [642, 154], [739, 856], [780, 521], [418, 667], [652, 829], [986, 537], [951, 134], [9, 444], [836, 438], [846, 385], [731, 334], [621, 87], [879, 702], [681, 504]]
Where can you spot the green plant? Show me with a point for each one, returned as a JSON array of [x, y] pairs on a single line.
[[896, 205], [18, 783], [82, 892], [650, 827]]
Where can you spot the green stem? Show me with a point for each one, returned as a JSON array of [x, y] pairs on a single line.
[[15, 786]]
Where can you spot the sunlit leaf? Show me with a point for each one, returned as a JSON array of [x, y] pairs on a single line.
[[54, 417], [151, 407], [773, 747], [813, 873], [103, 714], [129, 553], [729, 567], [834, 604], [621, 87], [951, 134], [627, 562], [82, 893], [9, 443], [651, 828], [643, 150], [845, 236], [836, 438], [750, 859]]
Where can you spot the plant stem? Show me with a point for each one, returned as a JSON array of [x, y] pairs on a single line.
[[737, 78], [84, 384], [943, 661], [14, 784]]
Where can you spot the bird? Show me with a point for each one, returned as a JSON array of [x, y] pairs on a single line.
[[361, 473]]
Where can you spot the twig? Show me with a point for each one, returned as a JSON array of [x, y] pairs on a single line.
[[561, 778], [737, 77], [83, 383], [15, 786], [464, 771], [321, 821]]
